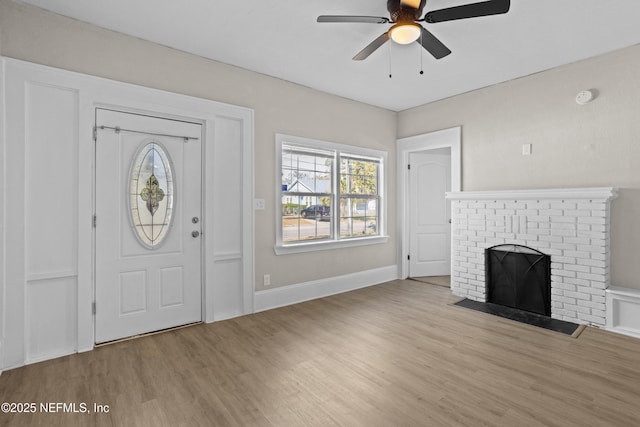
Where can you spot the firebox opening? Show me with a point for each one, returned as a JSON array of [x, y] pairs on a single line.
[[518, 277]]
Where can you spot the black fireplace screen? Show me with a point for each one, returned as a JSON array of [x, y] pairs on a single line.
[[519, 277]]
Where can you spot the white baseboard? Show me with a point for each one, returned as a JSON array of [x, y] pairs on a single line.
[[54, 355], [218, 317], [623, 311], [293, 294]]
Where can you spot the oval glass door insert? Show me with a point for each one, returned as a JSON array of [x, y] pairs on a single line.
[[151, 194]]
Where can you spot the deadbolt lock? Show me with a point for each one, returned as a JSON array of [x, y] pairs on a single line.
[[195, 220]]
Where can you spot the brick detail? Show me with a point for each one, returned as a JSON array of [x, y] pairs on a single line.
[[574, 232]]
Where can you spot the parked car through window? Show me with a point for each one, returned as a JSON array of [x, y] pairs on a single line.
[[315, 211]]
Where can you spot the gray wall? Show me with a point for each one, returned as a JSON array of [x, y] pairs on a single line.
[[594, 145], [38, 36], [573, 146]]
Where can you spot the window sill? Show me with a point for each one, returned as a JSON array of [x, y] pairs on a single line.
[[327, 245]]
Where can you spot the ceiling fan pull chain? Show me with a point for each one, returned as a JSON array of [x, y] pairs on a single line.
[[389, 50], [421, 56]]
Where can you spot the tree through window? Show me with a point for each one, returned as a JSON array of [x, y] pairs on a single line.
[[358, 196]]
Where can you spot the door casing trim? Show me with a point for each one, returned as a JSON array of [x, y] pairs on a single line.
[[445, 138]]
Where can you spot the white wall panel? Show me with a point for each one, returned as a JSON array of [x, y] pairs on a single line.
[[227, 218], [50, 173], [51, 313], [623, 311], [51, 126], [228, 290], [14, 200], [228, 186], [2, 216]]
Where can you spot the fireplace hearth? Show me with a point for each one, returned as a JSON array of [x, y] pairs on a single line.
[[519, 277], [533, 319]]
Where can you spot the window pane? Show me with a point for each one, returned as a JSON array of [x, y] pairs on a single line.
[[305, 218], [358, 217], [358, 176], [151, 194], [306, 172]]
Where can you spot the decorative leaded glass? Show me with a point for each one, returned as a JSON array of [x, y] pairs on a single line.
[[151, 194]]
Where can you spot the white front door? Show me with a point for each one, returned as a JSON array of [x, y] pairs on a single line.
[[430, 213], [148, 223]]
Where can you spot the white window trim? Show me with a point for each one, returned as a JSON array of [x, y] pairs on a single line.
[[289, 248]]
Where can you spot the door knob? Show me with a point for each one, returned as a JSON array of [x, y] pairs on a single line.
[[195, 233]]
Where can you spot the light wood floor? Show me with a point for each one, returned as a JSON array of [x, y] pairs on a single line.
[[435, 280], [391, 355]]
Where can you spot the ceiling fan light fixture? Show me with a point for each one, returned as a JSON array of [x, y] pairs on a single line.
[[405, 32]]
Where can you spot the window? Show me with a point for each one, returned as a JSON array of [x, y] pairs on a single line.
[[330, 195], [151, 194]]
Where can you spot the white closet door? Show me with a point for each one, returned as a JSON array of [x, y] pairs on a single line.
[[430, 240]]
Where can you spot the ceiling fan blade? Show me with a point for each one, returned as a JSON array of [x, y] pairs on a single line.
[[485, 8], [347, 18], [433, 45], [371, 47]]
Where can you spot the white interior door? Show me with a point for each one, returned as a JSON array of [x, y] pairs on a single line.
[[148, 211], [430, 213]]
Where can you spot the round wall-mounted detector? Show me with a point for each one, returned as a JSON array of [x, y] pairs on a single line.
[[584, 97]]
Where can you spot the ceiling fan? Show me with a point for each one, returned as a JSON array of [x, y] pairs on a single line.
[[405, 17]]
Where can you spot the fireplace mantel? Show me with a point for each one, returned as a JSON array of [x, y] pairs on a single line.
[[605, 193]]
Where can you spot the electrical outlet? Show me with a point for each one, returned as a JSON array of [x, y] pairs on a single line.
[[258, 204], [266, 281]]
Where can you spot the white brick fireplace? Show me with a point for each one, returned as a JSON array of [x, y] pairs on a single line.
[[570, 225]]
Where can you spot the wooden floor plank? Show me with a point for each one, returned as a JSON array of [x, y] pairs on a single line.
[[397, 354]]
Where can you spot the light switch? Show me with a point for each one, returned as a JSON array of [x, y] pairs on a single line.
[[526, 149]]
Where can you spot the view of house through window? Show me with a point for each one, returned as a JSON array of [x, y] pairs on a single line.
[[328, 194]]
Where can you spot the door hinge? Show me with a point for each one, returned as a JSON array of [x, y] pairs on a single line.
[[408, 257], [94, 221], [95, 133], [93, 307], [409, 167]]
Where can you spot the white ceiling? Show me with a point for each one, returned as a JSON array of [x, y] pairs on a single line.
[[281, 38]]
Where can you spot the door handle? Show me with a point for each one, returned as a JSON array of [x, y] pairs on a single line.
[[195, 233]]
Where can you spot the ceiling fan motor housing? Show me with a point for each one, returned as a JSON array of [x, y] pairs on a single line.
[[400, 12]]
